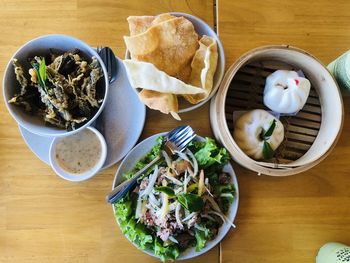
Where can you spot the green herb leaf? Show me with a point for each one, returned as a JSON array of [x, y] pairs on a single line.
[[266, 135], [267, 151], [42, 70], [165, 189], [190, 202]]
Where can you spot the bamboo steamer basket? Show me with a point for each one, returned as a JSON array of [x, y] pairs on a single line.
[[310, 135]]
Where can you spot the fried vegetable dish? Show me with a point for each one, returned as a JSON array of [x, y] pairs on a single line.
[[62, 89]]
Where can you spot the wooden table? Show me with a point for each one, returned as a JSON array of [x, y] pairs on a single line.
[[46, 219]]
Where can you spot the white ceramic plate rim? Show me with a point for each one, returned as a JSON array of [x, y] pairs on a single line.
[[224, 229]]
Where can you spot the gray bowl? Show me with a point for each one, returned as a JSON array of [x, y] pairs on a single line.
[[41, 46]]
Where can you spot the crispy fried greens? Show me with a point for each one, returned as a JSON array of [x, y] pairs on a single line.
[[64, 92]]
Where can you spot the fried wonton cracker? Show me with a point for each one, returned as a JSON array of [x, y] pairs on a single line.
[[203, 67], [145, 75], [169, 45]]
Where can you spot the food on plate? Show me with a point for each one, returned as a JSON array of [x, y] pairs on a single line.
[[286, 92], [203, 69], [258, 133], [62, 87], [167, 45], [164, 102], [78, 153], [179, 203]]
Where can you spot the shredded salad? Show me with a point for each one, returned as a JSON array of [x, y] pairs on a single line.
[[180, 202]]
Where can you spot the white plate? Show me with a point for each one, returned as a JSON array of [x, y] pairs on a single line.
[[140, 151], [121, 123]]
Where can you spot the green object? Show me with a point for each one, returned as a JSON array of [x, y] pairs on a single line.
[[190, 202], [267, 151], [333, 252], [266, 134], [165, 189], [208, 153], [165, 252], [40, 69], [211, 158], [202, 237], [340, 69]]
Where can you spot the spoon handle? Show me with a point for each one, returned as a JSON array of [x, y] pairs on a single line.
[[125, 184]]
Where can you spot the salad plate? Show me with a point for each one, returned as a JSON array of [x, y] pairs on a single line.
[[125, 213], [120, 123]]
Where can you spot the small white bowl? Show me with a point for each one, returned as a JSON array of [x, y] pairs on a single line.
[[202, 28], [83, 176], [41, 46]]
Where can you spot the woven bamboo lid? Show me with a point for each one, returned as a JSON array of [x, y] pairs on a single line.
[[309, 136]]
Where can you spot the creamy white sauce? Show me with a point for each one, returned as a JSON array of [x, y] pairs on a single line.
[[79, 152]]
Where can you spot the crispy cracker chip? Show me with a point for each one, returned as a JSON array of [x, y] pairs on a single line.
[[169, 45], [164, 102], [139, 24], [145, 75], [203, 69]]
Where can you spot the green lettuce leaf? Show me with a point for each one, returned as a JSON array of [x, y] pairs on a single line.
[[208, 153], [137, 233], [123, 209], [165, 252], [202, 237]]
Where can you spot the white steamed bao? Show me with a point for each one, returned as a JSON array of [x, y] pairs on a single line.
[[286, 92], [247, 132]]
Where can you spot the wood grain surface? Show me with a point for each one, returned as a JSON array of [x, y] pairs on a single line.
[[288, 219], [46, 219], [42, 217]]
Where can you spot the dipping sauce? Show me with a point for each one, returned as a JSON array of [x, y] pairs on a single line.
[[79, 152]]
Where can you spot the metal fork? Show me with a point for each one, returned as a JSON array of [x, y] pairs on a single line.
[[109, 60], [175, 141]]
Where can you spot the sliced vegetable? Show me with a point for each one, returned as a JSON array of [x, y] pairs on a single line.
[[172, 239], [192, 187], [152, 179], [167, 159], [201, 183], [183, 156], [189, 216], [173, 179], [177, 215], [165, 206], [165, 189], [194, 162]]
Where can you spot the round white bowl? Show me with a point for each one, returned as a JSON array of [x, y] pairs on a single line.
[[140, 151], [202, 28], [41, 46], [83, 176]]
